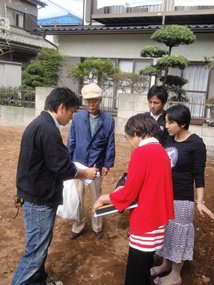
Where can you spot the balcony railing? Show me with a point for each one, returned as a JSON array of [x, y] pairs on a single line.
[[169, 6]]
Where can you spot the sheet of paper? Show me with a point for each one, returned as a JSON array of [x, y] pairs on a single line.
[[81, 166]]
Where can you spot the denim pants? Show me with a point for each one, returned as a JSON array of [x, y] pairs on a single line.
[[39, 223]]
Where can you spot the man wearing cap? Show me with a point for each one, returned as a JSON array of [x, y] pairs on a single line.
[[91, 142]]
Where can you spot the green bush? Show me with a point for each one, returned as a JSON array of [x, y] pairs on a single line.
[[18, 97], [44, 70], [172, 36]]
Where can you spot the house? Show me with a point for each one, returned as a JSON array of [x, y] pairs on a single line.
[[120, 32], [17, 20], [68, 19], [64, 20]]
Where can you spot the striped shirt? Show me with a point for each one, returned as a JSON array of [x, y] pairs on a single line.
[[149, 241]]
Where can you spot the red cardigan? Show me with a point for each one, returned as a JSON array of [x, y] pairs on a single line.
[[149, 182]]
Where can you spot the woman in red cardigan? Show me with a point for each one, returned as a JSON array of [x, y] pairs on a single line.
[[149, 183]]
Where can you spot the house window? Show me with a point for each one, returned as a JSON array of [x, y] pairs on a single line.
[[134, 66], [126, 65], [130, 65], [197, 76], [196, 88], [19, 19], [16, 18]]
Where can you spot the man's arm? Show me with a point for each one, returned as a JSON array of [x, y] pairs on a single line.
[[71, 142], [110, 148]]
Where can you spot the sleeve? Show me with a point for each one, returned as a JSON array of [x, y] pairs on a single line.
[[56, 155], [199, 161], [71, 142], [122, 198], [110, 148]]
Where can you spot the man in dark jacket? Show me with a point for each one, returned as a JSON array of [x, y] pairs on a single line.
[[157, 98], [44, 163], [91, 142]]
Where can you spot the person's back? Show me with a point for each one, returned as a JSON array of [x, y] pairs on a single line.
[[150, 175], [149, 183]]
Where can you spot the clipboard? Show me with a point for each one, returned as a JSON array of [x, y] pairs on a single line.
[[110, 209]]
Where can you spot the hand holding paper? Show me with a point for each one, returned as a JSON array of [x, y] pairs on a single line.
[[86, 174]]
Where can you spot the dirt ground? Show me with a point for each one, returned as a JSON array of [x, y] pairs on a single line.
[[87, 260]]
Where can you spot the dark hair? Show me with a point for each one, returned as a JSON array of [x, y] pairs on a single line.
[[159, 91], [61, 95], [180, 114], [141, 125]]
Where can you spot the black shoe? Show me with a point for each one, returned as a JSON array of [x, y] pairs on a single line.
[[74, 235], [99, 235]]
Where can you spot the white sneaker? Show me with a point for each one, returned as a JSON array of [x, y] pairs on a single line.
[[54, 283]]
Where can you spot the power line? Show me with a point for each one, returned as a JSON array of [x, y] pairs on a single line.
[[71, 10]]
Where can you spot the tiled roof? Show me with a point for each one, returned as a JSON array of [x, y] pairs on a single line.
[[115, 30], [25, 39], [68, 19]]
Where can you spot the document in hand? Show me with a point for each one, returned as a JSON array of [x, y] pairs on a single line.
[[110, 209], [81, 166]]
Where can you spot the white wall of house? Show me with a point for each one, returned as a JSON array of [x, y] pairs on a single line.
[[10, 74], [129, 46]]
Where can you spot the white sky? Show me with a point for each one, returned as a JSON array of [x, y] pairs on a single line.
[[56, 8], [63, 7]]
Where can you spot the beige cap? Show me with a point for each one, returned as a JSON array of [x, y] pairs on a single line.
[[91, 90]]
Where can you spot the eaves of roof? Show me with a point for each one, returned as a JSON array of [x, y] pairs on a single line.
[[32, 41], [87, 30], [36, 2]]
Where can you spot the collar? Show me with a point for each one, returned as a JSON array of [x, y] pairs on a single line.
[[55, 121], [149, 140], [94, 116], [155, 117]]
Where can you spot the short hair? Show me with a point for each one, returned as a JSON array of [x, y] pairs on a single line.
[[141, 125], [180, 114], [159, 91], [61, 95]]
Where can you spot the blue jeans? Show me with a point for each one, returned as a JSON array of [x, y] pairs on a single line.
[[39, 223]]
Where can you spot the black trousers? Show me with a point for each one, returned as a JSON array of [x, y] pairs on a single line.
[[138, 267]]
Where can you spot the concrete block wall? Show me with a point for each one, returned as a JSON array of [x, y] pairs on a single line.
[[41, 94], [16, 116], [128, 105], [207, 134], [131, 104]]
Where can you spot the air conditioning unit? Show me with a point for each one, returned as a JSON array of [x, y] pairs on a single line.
[[4, 24]]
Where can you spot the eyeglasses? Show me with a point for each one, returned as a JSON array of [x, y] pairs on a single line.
[[92, 101]]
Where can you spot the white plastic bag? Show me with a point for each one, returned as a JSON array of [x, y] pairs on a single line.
[[71, 202]]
